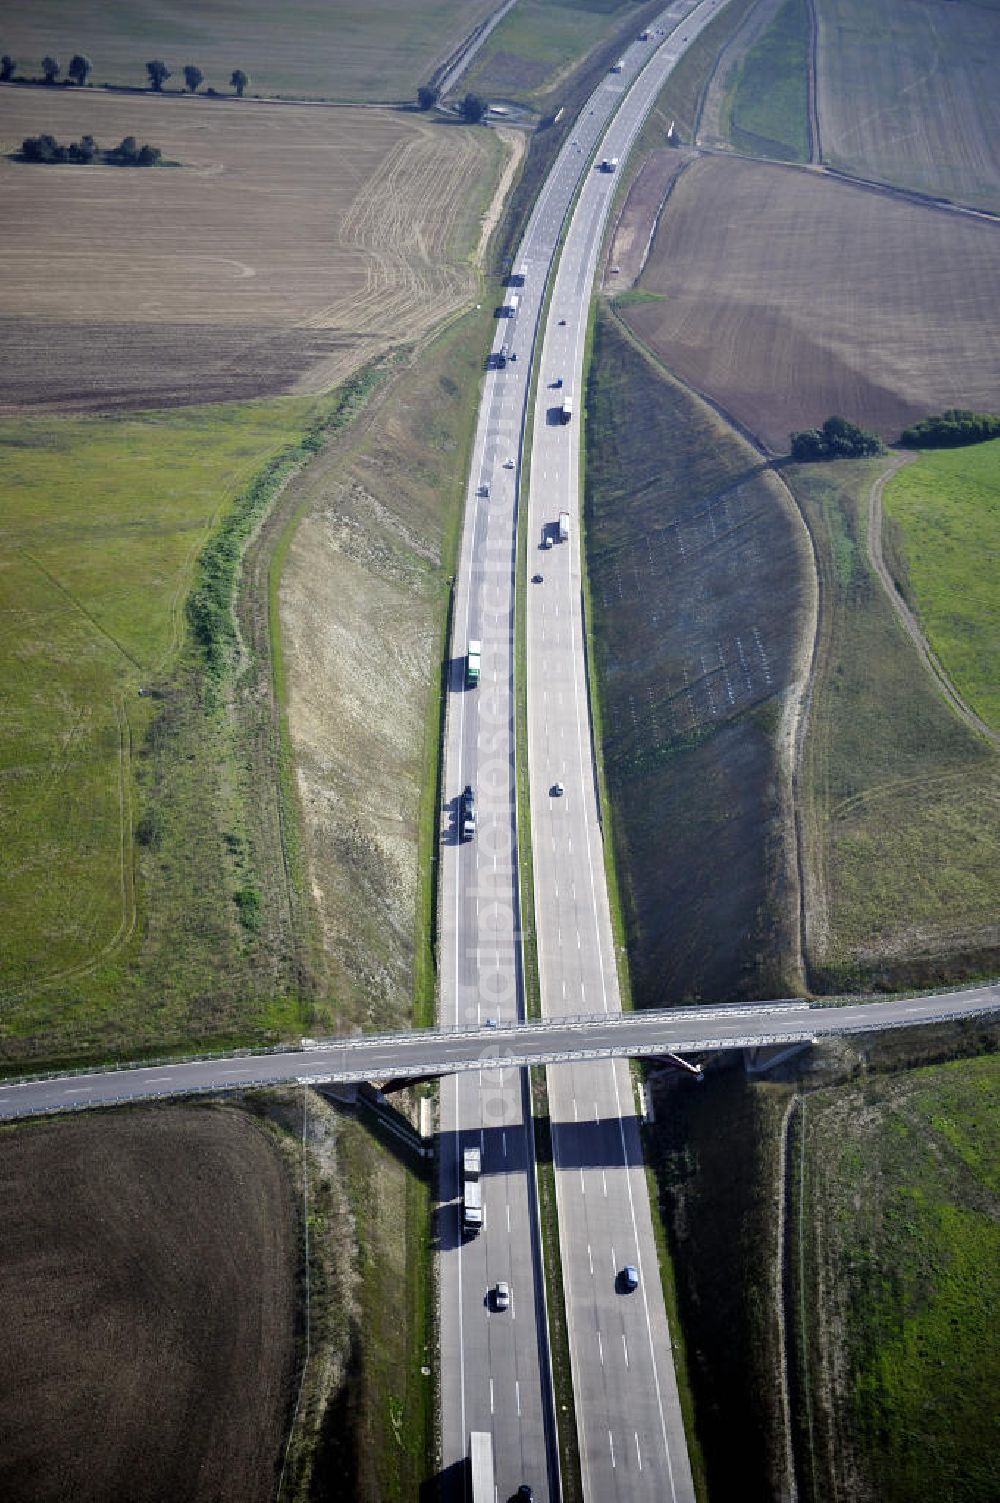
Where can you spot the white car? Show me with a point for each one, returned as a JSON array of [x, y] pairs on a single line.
[[557, 790], [501, 1296], [508, 464]]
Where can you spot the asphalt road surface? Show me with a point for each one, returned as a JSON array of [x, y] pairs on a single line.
[[688, 1031], [629, 1422], [495, 1371]]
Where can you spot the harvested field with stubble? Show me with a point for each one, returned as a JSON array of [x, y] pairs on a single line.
[[148, 1264], [787, 296], [907, 94], [379, 50], [286, 248]]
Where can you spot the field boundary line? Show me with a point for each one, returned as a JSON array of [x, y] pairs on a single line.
[[905, 615], [812, 86]]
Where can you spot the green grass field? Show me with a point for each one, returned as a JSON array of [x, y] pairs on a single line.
[[901, 801], [104, 522], [539, 42], [903, 1203], [946, 511], [768, 94], [681, 97]]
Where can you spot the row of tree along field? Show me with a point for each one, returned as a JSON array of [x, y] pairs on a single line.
[[80, 68]]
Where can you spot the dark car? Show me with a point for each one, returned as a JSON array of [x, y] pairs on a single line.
[[525, 1493], [630, 1277]]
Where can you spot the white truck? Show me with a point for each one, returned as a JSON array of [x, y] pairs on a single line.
[[608, 164], [481, 1466], [472, 1193], [473, 663], [566, 410], [510, 305], [564, 527]]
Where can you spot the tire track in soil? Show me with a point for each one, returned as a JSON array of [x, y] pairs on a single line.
[[906, 617]]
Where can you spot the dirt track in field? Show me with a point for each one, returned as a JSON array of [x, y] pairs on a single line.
[[787, 296], [148, 1286], [289, 245]]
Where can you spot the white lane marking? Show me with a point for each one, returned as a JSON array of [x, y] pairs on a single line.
[[508, 1218], [583, 1188], [611, 1443], [517, 1395], [590, 1260], [597, 1113], [604, 1177], [638, 1453], [600, 1347], [625, 1345], [78, 1091], [491, 1395]]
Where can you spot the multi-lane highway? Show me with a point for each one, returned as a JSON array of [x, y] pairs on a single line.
[[629, 1422], [494, 1369]]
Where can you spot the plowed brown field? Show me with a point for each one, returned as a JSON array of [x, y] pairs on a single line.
[[289, 245], [788, 296], [147, 1279]]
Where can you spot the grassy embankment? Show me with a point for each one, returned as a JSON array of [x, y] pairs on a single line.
[[535, 50], [694, 564], [364, 596], [901, 1293], [943, 514], [131, 894], [767, 96], [680, 101], [713, 1151], [900, 800], [362, 578]]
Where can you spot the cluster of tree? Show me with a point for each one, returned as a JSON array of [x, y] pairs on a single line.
[[951, 429], [128, 152], [80, 69], [473, 108], [837, 439], [158, 73]]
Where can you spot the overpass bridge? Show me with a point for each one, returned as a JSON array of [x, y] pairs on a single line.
[[399, 1059]]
